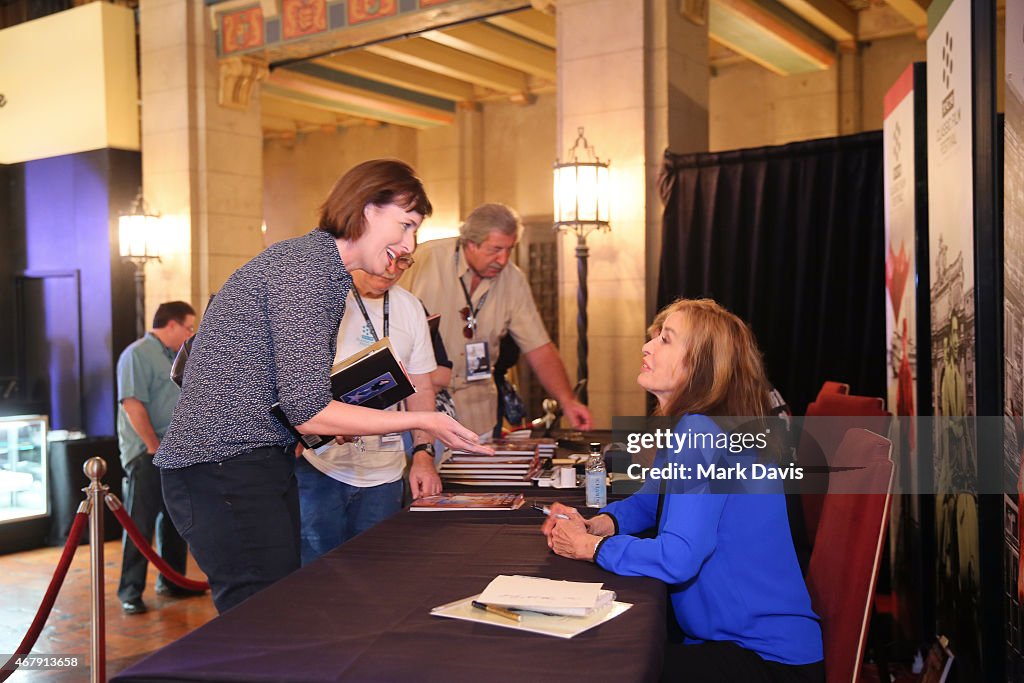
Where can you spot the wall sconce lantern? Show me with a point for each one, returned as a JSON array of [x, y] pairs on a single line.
[[581, 194], [138, 239]]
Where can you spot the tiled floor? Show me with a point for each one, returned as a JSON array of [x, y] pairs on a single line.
[[23, 581]]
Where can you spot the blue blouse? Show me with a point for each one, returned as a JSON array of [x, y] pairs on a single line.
[[723, 547]]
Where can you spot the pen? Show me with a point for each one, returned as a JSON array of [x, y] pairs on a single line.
[[547, 511], [500, 611]]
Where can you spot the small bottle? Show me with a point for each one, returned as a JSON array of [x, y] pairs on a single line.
[[597, 478]]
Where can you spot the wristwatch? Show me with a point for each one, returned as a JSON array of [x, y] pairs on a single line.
[[427, 448]]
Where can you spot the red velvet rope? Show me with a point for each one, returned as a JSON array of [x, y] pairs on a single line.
[[143, 545], [29, 641]]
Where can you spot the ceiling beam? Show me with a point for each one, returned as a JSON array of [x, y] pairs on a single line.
[[275, 107], [277, 124], [406, 76], [912, 10], [831, 17], [496, 45], [531, 24], [770, 35], [332, 97], [452, 63]]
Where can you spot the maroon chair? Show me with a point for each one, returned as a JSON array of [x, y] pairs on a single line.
[[829, 418], [848, 548], [833, 388]]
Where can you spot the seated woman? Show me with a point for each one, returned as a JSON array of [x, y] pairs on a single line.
[[722, 546]]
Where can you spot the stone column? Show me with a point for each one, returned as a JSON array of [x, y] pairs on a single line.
[[634, 75], [202, 151]]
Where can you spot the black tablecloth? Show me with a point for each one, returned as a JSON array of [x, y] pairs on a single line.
[[361, 613]]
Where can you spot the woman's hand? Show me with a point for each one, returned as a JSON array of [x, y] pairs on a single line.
[[453, 434], [560, 509], [569, 538], [601, 525]]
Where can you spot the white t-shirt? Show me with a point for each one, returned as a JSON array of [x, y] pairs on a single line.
[[379, 463]]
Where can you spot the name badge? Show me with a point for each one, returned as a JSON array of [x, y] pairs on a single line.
[[478, 361], [394, 437]]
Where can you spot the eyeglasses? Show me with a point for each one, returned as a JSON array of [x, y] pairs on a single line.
[[466, 314], [404, 262]]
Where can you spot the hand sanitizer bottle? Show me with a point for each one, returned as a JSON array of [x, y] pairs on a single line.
[[597, 478]]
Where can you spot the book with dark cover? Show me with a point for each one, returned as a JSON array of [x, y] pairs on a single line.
[[372, 378]]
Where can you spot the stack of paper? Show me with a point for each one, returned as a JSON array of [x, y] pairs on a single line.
[[547, 596], [527, 603]]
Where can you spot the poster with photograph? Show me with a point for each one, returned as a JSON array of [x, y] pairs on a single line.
[[898, 143], [951, 255], [902, 130]]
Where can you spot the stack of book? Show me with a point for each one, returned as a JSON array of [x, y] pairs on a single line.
[[514, 463]]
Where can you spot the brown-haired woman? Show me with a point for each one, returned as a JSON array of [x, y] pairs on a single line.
[[722, 546], [269, 336]]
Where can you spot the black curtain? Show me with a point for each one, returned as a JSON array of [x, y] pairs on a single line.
[[791, 239]]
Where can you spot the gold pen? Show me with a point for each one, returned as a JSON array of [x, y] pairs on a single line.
[[500, 611]]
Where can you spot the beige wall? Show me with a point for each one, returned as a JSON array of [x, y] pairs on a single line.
[[298, 173], [882, 63], [752, 107], [503, 153], [520, 150]]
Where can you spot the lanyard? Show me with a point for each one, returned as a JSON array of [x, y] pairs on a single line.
[[369, 323], [473, 312]]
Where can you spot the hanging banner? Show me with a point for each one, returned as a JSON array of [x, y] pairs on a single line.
[[898, 140], [951, 255], [903, 132], [1013, 321]]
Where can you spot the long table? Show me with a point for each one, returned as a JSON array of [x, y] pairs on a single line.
[[362, 613]]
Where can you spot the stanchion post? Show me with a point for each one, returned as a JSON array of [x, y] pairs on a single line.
[[95, 468]]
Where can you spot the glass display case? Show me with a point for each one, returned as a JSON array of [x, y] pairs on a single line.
[[23, 468]]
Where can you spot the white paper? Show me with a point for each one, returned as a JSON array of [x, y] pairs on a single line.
[[540, 594], [560, 627]]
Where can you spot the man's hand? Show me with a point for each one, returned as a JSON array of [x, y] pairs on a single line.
[[423, 479], [577, 414], [138, 418]]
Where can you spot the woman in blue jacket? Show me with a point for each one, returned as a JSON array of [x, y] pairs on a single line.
[[723, 546]]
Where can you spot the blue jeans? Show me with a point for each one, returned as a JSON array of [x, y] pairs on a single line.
[[333, 511], [240, 517]]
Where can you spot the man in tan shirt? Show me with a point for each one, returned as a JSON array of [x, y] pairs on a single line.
[[482, 297]]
